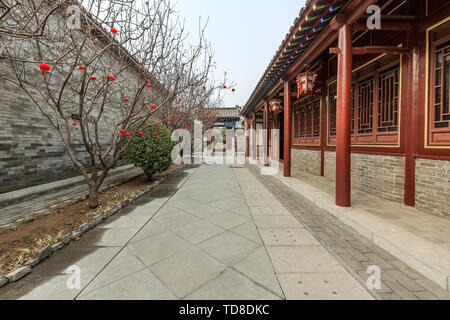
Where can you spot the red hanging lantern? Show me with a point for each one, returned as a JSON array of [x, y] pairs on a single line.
[[122, 131], [224, 87], [179, 99], [275, 105], [141, 133], [128, 134], [306, 83], [155, 133], [114, 31], [204, 88], [74, 124], [157, 125], [93, 77], [207, 114], [44, 67], [112, 78], [126, 99], [153, 107], [233, 90], [146, 108], [149, 85], [182, 106], [81, 68], [36, 101]]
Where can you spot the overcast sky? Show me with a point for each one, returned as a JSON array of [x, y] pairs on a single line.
[[245, 34]]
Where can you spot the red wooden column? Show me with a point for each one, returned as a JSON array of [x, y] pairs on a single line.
[[287, 128], [267, 133], [247, 138], [411, 105], [343, 125], [254, 156]]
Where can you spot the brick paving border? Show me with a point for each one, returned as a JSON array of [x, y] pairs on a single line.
[[354, 252]]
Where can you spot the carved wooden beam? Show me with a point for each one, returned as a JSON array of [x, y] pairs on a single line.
[[374, 50]]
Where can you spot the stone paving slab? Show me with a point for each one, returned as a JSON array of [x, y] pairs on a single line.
[[156, 249], [352, 250]]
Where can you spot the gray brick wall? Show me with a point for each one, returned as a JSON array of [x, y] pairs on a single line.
[[305, 161], [433, 186], [31, 151], [381, 175]]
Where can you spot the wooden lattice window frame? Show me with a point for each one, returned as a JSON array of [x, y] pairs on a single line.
[[375, 107], [439, 97], [307, 122]]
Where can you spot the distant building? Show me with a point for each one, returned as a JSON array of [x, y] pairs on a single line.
[[228, 118]]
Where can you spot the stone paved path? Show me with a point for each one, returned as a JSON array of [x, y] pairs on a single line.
[[211, 232], [398, 281]]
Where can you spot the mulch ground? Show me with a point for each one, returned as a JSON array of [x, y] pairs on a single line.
[[20, 245]]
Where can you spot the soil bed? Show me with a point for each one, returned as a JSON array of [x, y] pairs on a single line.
[[20, 245]]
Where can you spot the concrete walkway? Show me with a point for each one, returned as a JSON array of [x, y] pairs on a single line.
[[211, 232], [420, 240]]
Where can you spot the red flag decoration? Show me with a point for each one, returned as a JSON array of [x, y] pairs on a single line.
[[44, 67]]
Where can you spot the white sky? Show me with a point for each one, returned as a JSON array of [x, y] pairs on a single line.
[[245, 34]]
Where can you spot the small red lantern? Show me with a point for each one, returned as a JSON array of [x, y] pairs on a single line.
[[146, 108], [149, 85], [44, 67], [233, 90], [207, 114], [81, 68], [168, 119], [122, 131], [204, 88], [153, 107], [112, 78], [157, 125], [224, 87], [155, 133], [182, 106], [114, 31], [126, 99], [36, 101], [306, 82], [141, 133], [179, 99], [93, 77], [74, 124]]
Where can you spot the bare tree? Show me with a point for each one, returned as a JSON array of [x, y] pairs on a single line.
[[98, 84]]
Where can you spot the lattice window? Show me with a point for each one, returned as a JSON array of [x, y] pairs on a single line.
[[441, 86], [365, 106], [375, 107], [332, 98], [307, 122], [388, 86]]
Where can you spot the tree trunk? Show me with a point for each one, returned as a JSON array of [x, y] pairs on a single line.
[[93, 196]]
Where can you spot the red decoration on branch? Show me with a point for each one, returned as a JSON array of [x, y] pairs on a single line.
[[141, 133], [146, 108], [93, 77], [128, 134], [126, 99], [204, 88], [74, 124], [179, 99], [112, 78], [182, 106], [81, 68], [153, 107], [36, 101], [44, 67], [224, 87], [149, 85], [207, 114], [122, 131], [155, 133], [114, 31], [233, 90]]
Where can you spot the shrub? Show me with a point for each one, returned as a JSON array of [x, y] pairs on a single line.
[[152, 150]]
